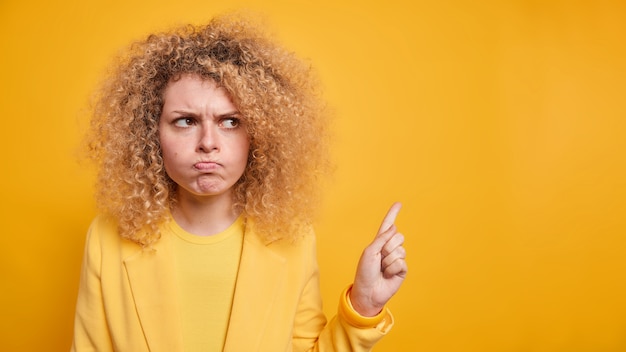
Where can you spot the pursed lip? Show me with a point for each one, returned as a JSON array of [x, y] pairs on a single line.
[[206, 165]]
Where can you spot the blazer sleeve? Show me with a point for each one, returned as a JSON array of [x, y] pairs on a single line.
[[90, 327], [346, 331]]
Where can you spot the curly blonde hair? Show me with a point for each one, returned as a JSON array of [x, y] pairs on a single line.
[[275, 93]]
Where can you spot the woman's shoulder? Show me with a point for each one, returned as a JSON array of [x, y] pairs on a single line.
[[297, 247], [299, 235], [103, 223], [103, 234]]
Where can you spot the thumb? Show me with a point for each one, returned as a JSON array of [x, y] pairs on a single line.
[[390, 218]]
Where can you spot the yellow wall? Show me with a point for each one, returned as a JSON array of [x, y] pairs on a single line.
[[501, 126]]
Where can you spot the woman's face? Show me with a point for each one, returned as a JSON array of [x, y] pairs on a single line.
[[204, 143]]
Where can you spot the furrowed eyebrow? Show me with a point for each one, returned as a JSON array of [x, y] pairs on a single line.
[[234, 113], [183, 112]]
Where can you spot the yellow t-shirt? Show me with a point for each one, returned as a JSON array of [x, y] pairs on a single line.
[[206, 268]]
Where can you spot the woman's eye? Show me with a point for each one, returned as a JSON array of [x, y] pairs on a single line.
[[230, 122], [184, 122]]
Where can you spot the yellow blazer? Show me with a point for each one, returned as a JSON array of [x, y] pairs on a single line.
[[125, 299]]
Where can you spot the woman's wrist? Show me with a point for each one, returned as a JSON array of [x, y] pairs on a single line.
[[354, 317]]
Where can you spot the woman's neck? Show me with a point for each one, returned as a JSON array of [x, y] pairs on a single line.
[[204, 216]]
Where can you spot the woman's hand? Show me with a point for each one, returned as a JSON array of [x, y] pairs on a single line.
[[381, 269]]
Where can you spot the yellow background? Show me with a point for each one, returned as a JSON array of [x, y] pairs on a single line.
[[499, 125]]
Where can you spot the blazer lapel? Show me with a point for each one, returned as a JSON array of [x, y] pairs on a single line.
[[152, 280], [260, 278]]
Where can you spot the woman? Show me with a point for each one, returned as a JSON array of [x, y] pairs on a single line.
[[209, 142]]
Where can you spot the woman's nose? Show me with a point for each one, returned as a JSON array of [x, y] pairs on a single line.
[[208, 139]]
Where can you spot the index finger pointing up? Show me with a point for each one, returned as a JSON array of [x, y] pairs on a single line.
[[390, 218]]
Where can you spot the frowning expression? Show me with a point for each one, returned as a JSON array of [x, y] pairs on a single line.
[[203, 141]]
